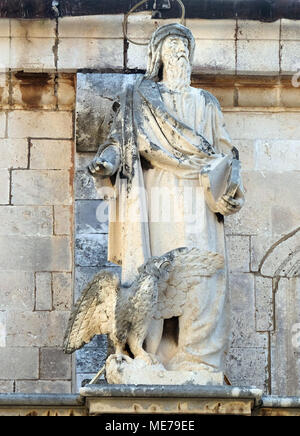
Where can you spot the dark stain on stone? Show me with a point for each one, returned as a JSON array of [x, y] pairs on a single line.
[[32, 87]]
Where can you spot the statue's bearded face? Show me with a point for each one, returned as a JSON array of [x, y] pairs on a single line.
[[175, 59]]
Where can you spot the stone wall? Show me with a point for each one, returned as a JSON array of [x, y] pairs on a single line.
[[248, 66]]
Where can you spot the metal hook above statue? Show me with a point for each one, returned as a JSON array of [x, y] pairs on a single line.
[[164, 5]]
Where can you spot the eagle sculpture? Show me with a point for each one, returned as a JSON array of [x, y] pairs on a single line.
[[125, 313]]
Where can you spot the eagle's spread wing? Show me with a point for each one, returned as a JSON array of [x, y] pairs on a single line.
[[93, 313], [188, 266]]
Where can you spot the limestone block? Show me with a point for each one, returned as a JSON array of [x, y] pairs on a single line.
[[32, 54], [33, 28], [5, 55], [4, 186], [63, 220], [33, 90], [137, 56], [2, 329], [225, 95], [90, 53], [84, 185], [270, 204], [290, 57], [43, 387], [91, 359], [41, 187], [264, 304], [242, 302], [290, 97], [26, 220], [51, 154], [98, 96], [238, 248], [251, 96], [40, 124], [43, 286], [91, 250], [275, 257], [212, 29], [19, 363], [290, 29], [17, 291], [29, 253], [247, 152], [248, 367], [55, 364], [257, 57], [66, 93], [2, 125], [62, 291], [13, 153], [6, 387], [4, 90], [285, 340], [97, 26], [36, 329], [89, 216], [4, 28], [273, 155], [214, 56], [248, 29]]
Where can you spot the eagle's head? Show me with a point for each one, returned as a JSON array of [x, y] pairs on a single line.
[[158, 267]]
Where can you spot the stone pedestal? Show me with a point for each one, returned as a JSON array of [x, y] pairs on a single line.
[[137, 372], [159, 399]]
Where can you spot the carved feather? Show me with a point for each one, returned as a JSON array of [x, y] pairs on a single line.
[[94, 312], [188, 266]]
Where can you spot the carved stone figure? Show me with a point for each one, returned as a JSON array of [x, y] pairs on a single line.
[[172, 174]]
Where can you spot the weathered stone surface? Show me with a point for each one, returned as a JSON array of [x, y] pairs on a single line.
[[252, 125], [98, 98], [248, 367], [32, 28], [6, 387], [280, 156], [89, 216], [214, 56], [26, 220], [43, 387], [32, 54], [84, 186], [14, 153], [2, 329], [238, 248], [251, 96], [43, 187], [257, 57], [55, 364], [90, 53], [50, 155], [62, 291], [36, 329], [264, 304], [40, 124], [290, 53], [43, 286], [4, 90], [276, 195], [63, 220], [17, 291], [29, 253], [84, 274], [95, 26], [289, 29], [242, 301], [4, 186], [33, 91], [66, 93], [5, 53], [285, 340], [91, 359], [91, 250], [248, 29], [19, 363]]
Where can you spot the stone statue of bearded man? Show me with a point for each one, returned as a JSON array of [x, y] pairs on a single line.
[[165, 136]]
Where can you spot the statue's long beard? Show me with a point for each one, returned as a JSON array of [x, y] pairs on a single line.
[[177, 72]]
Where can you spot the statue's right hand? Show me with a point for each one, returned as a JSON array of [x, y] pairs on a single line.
[[101, 166]]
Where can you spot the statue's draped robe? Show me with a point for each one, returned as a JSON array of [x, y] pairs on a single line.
[[165, 138]]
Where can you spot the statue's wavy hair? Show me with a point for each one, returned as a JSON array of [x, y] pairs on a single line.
[[155, 45]]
